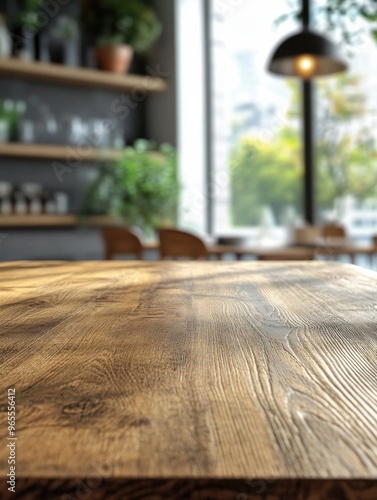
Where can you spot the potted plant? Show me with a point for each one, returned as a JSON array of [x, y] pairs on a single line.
[[118, 28], [140, 189]]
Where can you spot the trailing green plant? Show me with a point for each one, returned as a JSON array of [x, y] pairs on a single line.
[[130, 22], [347, 19], [10, 113], [140, 188]]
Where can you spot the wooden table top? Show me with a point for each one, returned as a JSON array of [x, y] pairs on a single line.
[[190, 370]]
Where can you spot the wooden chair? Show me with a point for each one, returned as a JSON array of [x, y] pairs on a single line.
[[175, 244], [119, 240], [333, 230]]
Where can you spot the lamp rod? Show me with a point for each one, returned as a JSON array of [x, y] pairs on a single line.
[[306, 13], [308, 134]]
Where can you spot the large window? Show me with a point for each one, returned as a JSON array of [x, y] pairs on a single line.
[[256, 145], [257, 172]]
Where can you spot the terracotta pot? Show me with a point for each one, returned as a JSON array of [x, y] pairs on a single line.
[[115, 58]]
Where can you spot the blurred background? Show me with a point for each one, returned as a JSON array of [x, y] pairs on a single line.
[[67, 112], [161, 113]]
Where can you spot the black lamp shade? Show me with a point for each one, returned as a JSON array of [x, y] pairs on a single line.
[[320, 52]]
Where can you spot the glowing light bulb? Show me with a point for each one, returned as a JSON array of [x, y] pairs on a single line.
[[306, 66]]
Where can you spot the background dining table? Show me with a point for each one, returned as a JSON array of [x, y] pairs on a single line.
[[327, 248], [179, 380]]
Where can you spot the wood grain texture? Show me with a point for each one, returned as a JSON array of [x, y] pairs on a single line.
[[121, 240], [175, 244], [190, 370], [46, 220], [56, 152], [154, 489]]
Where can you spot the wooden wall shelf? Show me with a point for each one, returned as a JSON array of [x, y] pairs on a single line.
[[25, 221], [55, 152], [37, 220], [85, 77]]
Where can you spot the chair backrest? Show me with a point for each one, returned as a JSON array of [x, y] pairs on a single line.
[[333, 231], [119, 240], [175, 244]]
